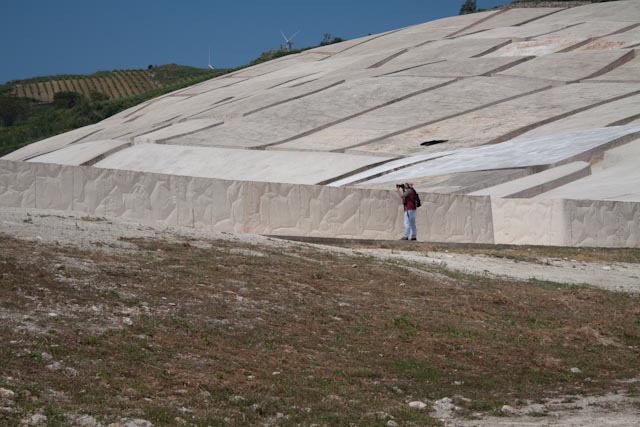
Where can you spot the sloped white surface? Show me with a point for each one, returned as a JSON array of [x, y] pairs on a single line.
[[241, 165]]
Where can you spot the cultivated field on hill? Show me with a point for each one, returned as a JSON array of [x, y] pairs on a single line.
[[29, 110], [112, 84], [107, 321]]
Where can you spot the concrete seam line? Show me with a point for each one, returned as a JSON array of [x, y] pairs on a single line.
[[478, 22], [284, 101], [451, 116], [578, 45], [388, 59], [306, 82], [493, 49], [363, 42], [540, 17], [517, 132], [106, 154], [344, 119], [508, 66], [592, 39], [624, 121], [411, 68], [554, 31], [145, 105], [356, 171], [217, 105], [66, 145], [292, 80], [222, 87], [166, 140], [615, 64], [382, 173], [152, 130]]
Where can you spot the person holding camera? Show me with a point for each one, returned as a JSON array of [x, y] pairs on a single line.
[[408, 196]]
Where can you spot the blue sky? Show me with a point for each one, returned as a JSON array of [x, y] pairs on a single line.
[[45, 37]]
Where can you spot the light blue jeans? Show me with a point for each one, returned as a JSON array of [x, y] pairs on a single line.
[[410, 224]]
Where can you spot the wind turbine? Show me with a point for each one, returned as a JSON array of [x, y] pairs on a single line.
[[210, 66], [288, 40]]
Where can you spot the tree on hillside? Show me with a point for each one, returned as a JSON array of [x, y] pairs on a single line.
[[469, 6], [12, 109], [66, 99], [329, 39]]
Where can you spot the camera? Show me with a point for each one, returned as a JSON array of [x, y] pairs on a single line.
[[400, 186]]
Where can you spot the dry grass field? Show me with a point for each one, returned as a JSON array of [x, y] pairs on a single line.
[[228, 333]]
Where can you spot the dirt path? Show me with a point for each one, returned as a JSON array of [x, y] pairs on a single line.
[[621, 277], [89, 233], [612, 410]]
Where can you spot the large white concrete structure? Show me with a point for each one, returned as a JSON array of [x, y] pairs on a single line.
[[519, 125]]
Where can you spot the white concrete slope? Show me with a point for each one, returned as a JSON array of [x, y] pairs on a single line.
[[469, 85]]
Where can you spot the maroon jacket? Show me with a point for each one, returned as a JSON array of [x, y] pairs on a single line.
[[409, 199]]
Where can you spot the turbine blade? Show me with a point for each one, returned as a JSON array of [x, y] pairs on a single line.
[[294, 35], [285, 37]]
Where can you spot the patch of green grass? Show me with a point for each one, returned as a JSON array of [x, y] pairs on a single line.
[[550, 285], [406, 326], [416, 369]]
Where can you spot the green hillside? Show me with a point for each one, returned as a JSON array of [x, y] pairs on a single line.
[[41, 107]]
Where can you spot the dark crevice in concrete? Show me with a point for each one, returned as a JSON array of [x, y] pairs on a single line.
[[623, 30], [133, 119], [304, 83], [124, 134], [493, 49], [411, 68], [468, 34], [139, 109], [106, 154], [430, 122], [539, 17], [223, 100], [356, 171], [625, 121], [222, 87], [525, 129], [578, 45], [75, 141], [554, 31], [344, 119], [591, 155], [633, 46], [615, 64], [166, 140], [478, 22], [509, 65], [154, 129], [292, 80], [592, 39], [292, 99], [214, 106], [400, 167], [363, 42], [387, 59]]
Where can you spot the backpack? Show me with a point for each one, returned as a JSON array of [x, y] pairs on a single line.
[[416, 198]]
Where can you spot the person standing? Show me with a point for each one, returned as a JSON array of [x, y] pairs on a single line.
[[408, 196]]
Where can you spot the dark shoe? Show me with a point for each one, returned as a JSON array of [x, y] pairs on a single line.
[[413, 238], [405, 238]]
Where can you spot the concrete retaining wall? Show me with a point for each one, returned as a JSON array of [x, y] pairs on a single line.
[[307, 210]]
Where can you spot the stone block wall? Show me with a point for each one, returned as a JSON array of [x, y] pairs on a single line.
[[317, 211]]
